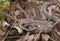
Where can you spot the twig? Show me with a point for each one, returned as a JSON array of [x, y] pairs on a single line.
[[38, 36], [6, 35], [13, 36], [11, 17], [26, 15], [52, 39], [26, 37], [34, 13]]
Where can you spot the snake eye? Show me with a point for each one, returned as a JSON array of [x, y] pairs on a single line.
[[36, 25]]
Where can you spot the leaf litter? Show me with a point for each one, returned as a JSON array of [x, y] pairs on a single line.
[[25, 20]]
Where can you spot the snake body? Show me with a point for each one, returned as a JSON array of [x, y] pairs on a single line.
[[41, 27], [44, 11], [31, 25]]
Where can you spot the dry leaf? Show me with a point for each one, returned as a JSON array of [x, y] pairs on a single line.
[[1, 33], [45, 37]]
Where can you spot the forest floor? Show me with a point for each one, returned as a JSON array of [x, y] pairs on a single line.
[[31, 20]]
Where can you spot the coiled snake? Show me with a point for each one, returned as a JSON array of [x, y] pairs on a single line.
[[30, 23]]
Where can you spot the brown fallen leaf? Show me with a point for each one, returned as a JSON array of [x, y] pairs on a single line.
[[45, 37], [1, 33], [2, 29]]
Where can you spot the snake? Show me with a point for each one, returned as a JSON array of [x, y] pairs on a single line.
[[45, 12], [31, 24], [41, 23]]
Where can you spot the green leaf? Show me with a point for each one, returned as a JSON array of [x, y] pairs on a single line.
[[5, 4], [1, 15]]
